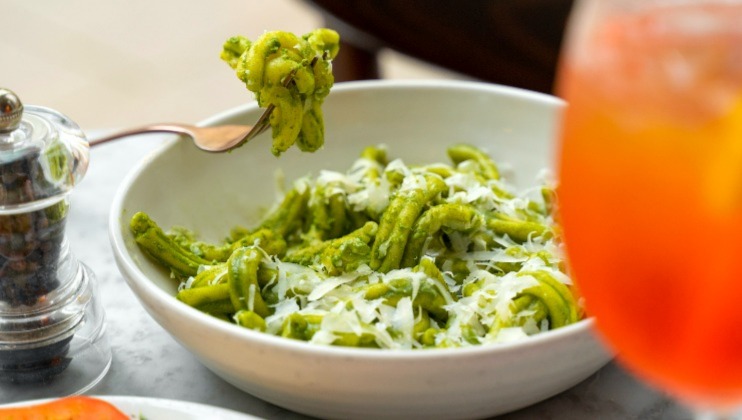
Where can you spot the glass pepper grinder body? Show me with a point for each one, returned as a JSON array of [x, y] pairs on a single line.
[[52, 335]]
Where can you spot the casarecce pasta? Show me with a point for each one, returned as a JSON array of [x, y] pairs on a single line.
[[265, 64], [384, 255]]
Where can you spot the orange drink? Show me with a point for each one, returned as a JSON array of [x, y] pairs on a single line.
[[650, 190]]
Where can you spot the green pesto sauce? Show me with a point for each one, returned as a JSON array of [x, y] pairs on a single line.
[[265, 65]]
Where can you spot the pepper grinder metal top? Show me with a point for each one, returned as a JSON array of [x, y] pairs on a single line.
[[52, 340], [11, 110]]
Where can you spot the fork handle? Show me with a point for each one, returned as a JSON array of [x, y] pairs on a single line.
[[145, 129]]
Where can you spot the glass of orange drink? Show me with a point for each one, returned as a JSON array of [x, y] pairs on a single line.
[[650, 187]]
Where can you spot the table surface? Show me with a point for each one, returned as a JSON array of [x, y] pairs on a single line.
[[148, 362]]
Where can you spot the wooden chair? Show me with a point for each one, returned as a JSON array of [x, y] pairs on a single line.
[[510, 42]]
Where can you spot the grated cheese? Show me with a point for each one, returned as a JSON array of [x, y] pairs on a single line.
[[479, 308]]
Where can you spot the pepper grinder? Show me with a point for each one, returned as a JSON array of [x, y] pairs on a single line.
[[52, 335]]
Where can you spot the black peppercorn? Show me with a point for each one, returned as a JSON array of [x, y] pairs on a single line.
[[30, 246]]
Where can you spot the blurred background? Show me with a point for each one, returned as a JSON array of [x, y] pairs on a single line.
[[118, 63], [109, 64]]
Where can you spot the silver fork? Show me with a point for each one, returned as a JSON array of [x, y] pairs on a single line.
[[216, 139]]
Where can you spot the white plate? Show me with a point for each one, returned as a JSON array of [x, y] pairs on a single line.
[[162, 409]]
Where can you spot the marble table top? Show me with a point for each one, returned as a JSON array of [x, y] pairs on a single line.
[[148, 362]]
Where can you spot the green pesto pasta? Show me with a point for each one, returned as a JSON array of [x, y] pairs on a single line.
[[385, 255], [265, 65]]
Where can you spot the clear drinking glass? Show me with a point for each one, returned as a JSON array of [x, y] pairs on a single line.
[[650, 173]]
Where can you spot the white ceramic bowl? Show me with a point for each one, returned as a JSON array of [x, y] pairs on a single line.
[[179, 185]]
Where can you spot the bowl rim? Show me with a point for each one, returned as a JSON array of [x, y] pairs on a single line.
[[139, 283], [401, 84]]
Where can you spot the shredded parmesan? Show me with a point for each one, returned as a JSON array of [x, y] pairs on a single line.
[[365, 307]]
